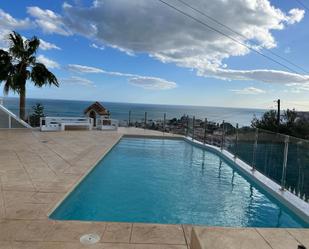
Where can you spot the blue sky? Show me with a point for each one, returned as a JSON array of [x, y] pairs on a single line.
[[127, 51]]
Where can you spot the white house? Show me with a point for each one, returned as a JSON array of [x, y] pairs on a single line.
[[101, 117]]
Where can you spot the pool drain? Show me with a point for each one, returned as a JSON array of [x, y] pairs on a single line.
[[89, 239]]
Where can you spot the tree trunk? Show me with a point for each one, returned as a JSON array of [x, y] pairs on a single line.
[[22, 103]]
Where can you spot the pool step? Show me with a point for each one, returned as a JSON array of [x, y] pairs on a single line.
[[244, 238]]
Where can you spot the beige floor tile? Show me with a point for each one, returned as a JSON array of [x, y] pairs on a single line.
[[27, 211], [52, 186], [18, 186], [56, 164], [5, 245], [301, 235], [117, 232], [118, 246], [15, 175], [80, 246], [10, 165], [36, 245], [231, 238], [30, 230], [148, 246], [2, 211], [72, 231], [54, 245], [17, 197], [41, 174], [4, 232], [278, 238], [187, 230], [16, 180], [155, 233]]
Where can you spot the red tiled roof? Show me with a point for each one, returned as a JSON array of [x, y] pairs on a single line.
[[98, 108]]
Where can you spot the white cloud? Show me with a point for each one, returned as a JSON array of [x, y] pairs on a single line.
[[83, 69], [74, 80], [296, 15], [48, 21], [146, 82], [47, 62], [171, 37], [268, 76], [10, 23], [44, 45], [167, 35], [4, 43], [298, 88], [93, 45], [248, 91], [152, 83]]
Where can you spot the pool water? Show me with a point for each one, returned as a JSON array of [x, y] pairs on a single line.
[[173, 182]]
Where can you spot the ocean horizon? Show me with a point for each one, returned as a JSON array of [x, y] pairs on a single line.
[[120, 110]]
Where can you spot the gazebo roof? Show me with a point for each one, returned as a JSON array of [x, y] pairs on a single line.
[[98, 108]]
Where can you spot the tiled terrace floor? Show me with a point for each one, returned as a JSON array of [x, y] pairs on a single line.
[[38, 169]]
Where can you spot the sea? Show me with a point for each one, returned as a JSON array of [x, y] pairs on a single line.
[[120, 111]]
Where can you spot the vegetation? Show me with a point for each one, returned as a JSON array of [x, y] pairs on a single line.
[[38, 112], [19, 64], [290, 123]]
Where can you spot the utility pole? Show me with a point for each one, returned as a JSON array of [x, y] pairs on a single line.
[[278, 112]]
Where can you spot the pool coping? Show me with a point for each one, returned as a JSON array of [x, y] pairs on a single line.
[[294, 203]]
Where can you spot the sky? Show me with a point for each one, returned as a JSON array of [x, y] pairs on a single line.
[[149, 51]]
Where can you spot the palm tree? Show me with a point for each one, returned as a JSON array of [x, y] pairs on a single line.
[[18, 64]]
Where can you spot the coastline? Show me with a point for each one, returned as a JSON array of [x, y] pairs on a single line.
[[120, 111]]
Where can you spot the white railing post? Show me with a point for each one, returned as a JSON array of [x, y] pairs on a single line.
[[222, 135], [145, 121], [236, 142], [285, 160], [205, 130], [255, 148], [193, 127], [187, 131], [10, 122], [164, 122]]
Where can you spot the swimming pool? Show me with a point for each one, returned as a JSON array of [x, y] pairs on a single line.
[[173, 182]]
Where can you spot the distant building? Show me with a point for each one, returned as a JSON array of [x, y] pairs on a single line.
[[97, 112]]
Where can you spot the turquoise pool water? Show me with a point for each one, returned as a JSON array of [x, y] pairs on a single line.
[[171, 181]]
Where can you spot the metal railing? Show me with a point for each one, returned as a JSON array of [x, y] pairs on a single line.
[[9, 120], [282, 158]]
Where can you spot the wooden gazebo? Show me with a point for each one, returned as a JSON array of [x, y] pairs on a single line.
[[97, 112]]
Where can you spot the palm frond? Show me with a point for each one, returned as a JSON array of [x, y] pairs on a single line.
[[41, 76], [6, 87], [32, 46], [9, 85], [32, 60], [6, 66], [17, 48]]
